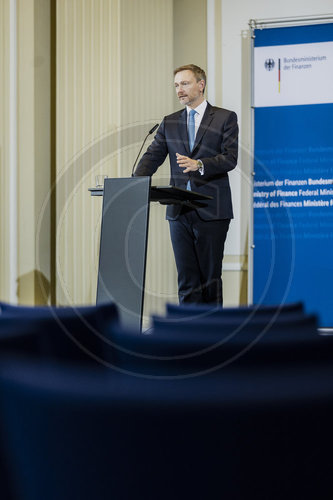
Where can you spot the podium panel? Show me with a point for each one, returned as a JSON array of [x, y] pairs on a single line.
[[123, 247], [124, 234]]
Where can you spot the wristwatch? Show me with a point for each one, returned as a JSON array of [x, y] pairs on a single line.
[[200, 166]]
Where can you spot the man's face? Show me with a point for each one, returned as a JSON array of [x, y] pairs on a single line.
[[189, 91]]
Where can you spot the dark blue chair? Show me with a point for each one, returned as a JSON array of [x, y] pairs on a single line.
[[60, 333], [254, 434], [193, 348], [70, 335]]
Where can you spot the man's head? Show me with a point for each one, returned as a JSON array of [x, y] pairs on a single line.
[[190, 83]]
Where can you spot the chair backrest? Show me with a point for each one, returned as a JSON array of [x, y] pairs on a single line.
[[185, 349], [238, 327], [260, 434], [67, 333], [253, 311]]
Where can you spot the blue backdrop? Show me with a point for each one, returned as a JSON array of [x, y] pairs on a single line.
[[293, 197]]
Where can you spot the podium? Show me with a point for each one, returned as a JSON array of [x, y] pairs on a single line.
[[124, 236]]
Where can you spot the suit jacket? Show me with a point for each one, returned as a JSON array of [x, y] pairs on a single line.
[[216, 145]]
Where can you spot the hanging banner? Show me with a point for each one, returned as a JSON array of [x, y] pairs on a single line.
[[293, 165]]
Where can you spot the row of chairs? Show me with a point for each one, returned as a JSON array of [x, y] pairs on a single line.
[[196, 340], [71, 428], [187, 341]]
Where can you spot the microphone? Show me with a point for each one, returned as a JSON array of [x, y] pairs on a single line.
[[150, 132]]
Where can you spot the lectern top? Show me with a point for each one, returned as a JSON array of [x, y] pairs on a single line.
[[168, 195]]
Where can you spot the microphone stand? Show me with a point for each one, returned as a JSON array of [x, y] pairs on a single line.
[[150, 132]]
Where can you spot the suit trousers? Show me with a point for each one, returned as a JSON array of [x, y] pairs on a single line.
[[198, 247]]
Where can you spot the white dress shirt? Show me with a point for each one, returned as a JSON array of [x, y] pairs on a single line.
[[200, 110]]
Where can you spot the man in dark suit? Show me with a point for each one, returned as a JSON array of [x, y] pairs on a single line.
[[202, 144]]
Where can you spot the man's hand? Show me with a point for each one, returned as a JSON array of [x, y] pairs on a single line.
[[187, 163]]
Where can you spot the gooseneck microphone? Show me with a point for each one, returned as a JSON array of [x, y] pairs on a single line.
[[150, 132]]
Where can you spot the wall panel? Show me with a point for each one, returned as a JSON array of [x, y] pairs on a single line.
[[24, 151], [114, 66], [4, 151]]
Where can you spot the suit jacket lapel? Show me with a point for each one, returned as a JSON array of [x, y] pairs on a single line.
[[205, 122], [182, 125]]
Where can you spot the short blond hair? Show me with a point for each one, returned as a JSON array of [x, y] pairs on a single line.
[[198, 72]]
